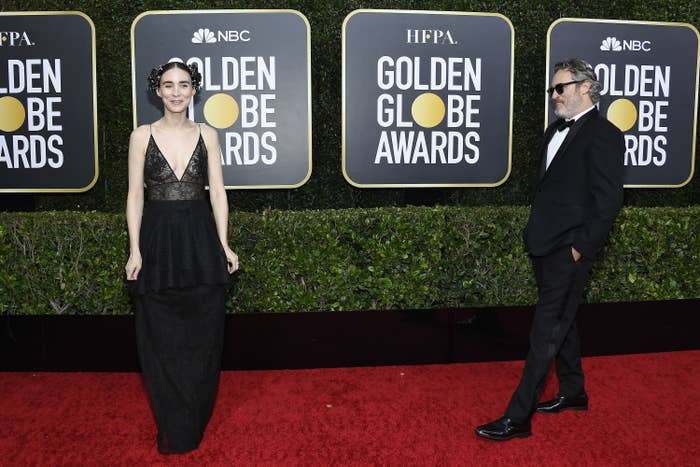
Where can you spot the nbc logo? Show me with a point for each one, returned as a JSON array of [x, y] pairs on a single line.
[[633, 45], [611, 43], [202, 36]]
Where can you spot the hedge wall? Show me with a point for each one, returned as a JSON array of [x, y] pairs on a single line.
[[356, 259], [327, 188]]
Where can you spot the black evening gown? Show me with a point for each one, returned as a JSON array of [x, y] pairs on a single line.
[[179, 299]]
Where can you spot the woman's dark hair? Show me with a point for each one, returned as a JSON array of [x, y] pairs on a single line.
[[157, 73]]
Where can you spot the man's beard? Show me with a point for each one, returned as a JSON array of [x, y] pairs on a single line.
[[569, 110]]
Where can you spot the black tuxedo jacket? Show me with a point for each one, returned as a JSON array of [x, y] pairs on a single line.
[[576, 200]]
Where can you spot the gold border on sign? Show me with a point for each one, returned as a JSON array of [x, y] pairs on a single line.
[[430, 185], [94, 103], [308, 78], [644, 23]]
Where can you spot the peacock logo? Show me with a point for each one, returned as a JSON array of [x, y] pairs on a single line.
[[611, 44], [202, 36]]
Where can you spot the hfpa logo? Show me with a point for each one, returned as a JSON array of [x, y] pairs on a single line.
[[14, 39], [429, 36], [613, 44]]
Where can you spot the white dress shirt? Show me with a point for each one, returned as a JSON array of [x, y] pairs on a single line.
[[559, 136]]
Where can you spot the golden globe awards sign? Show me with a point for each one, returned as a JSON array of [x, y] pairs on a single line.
[[256, 92], [48, 117], [427, 98], [649, 73]]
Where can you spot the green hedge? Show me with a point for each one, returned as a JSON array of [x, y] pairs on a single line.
[[385, 258], [327, 188]]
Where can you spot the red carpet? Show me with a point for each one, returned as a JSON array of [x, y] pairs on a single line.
[[645, 410]]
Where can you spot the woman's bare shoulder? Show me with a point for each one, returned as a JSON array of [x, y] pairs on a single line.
[[207, 131], [139, 139], [141, 133], [211, 137]]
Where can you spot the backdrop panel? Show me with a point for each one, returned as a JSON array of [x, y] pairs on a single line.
[[255, 67], [427, 98], [48, 109], [649, 72]]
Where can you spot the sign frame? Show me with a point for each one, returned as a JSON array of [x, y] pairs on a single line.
[[344, 103], [644, 23], [306, 178], [93, 58]]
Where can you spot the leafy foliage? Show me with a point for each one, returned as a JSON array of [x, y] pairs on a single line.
[[323, 256], [353, 259]]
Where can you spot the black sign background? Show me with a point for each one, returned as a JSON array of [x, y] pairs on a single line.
[[371, 34], [70, 37], [669, 44], [159, 36]]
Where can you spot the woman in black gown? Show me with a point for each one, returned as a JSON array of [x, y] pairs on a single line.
[[179, 260]]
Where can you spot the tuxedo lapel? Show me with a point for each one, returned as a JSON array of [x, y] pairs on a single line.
[[561, 152], [543, 150]]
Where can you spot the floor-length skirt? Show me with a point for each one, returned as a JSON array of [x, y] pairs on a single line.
[[180, 341], [179, 299]]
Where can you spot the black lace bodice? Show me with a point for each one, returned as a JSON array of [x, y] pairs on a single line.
[[161, 182]]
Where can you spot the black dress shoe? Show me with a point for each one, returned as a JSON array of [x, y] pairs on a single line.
[[563, 403], [503, 429]]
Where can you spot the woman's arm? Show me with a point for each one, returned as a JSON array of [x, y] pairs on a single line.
[[217, 194], [134, 199]]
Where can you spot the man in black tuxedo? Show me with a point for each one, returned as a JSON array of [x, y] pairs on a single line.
[[577, 195]]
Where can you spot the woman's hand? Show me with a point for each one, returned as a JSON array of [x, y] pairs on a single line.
[[231, 260], [133, 266]]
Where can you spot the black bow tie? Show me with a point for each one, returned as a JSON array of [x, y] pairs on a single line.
[[564, 124]]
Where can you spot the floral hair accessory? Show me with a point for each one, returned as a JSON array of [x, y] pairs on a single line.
[[195, 75], [154, 78], [156, 73]]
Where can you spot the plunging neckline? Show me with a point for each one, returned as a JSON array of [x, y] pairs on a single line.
[[189, 161]]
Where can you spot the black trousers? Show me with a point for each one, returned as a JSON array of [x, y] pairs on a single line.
[[560, 283]]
